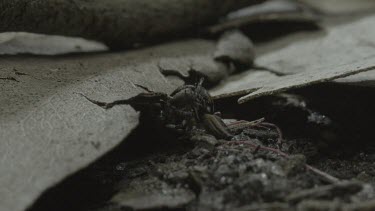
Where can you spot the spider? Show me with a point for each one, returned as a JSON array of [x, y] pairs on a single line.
[[188, 108]]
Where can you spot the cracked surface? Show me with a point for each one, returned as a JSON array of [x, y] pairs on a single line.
[[48, 130]]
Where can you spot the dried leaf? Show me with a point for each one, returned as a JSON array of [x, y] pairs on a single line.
[[269, 11], [280, 84], [345, 50], [310, 77], [235, 48], [119, 24], [204, 64], [241, 84], [49, 131], [342, 6], [336, 45], [21, 43]]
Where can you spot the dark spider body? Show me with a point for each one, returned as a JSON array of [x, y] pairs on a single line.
[[188, 101], [189, 108]]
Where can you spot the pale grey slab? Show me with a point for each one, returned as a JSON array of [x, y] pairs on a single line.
[[333, 45], [342, 6], [308, 58], [49, 131], [12, 43]]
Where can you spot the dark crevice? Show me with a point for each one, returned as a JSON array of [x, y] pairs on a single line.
[[9, 79], [349, 107], [92, 187]]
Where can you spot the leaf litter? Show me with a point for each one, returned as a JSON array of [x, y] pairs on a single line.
[[44, 116], [254, 171]]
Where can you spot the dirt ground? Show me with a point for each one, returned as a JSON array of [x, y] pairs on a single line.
[[325, 161]]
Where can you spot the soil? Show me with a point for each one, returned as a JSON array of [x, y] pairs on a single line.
[[154, 170]]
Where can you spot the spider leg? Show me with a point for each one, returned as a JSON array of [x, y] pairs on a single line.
[[106, 105], [144, 88], [242, 124], [140, 99], [259, 123]]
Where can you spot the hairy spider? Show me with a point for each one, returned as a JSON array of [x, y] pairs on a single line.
[[188, 108]]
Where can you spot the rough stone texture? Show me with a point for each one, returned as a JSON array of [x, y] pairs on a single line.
[[117, 23], [48, 130]]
